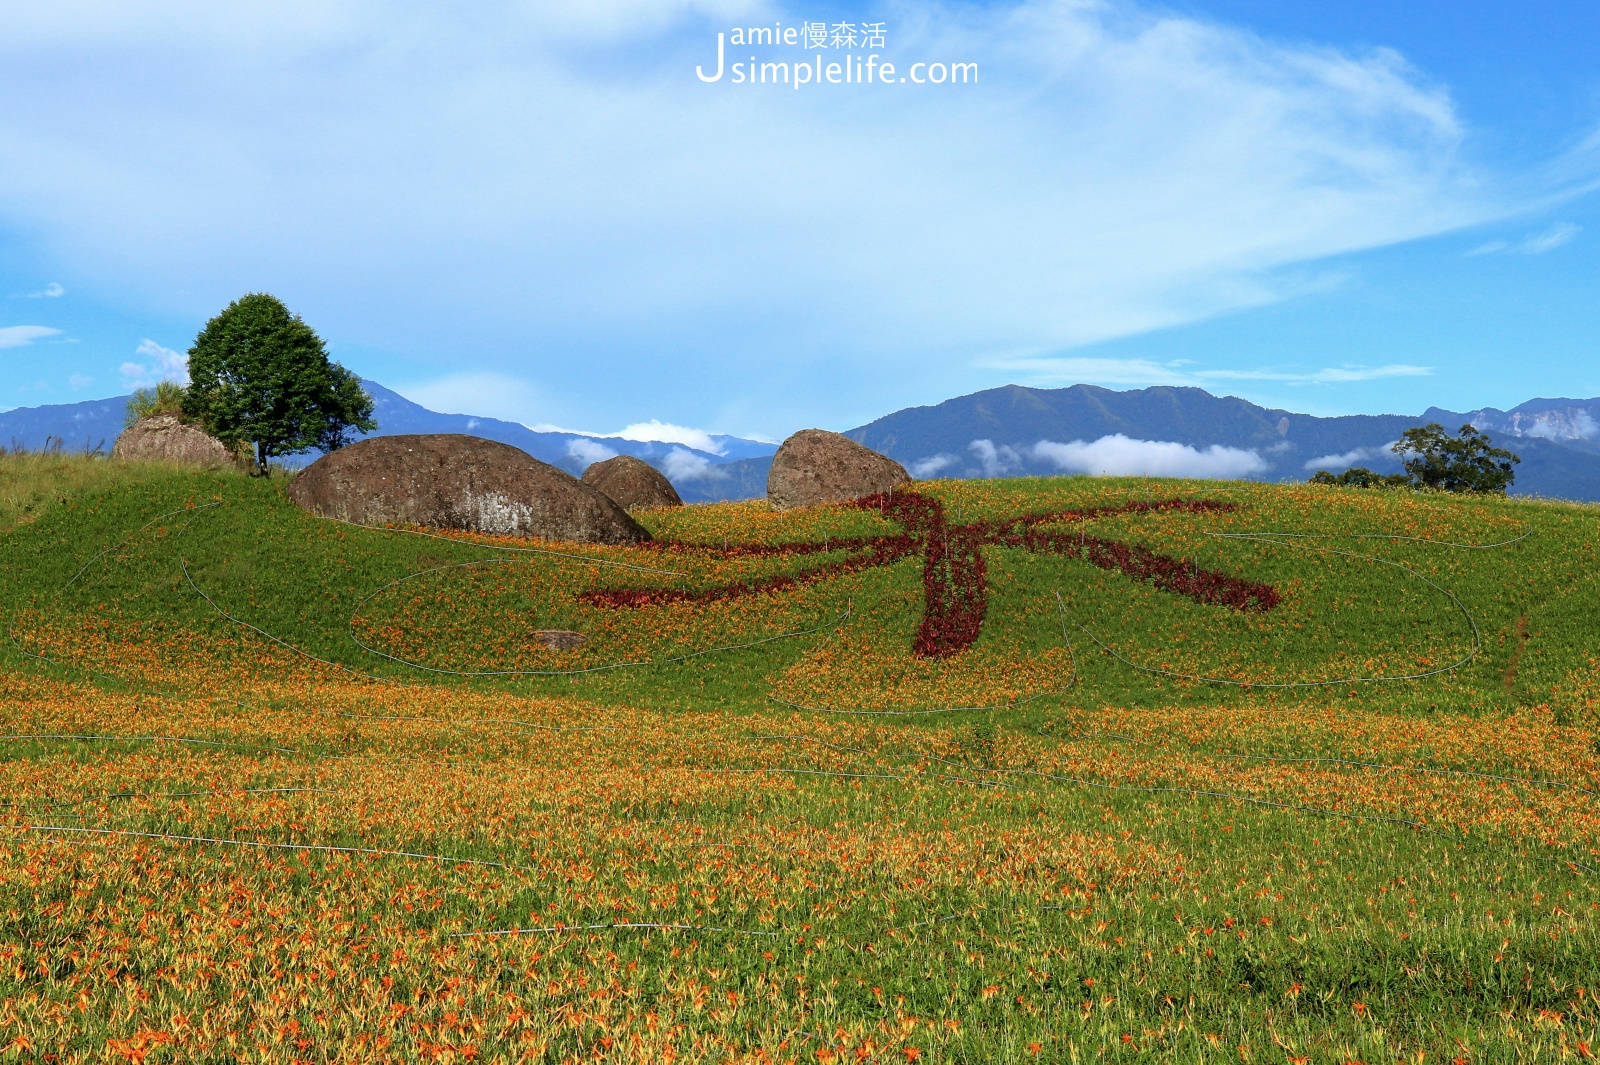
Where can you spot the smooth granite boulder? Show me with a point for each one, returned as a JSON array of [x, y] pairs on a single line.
[[451, 481]]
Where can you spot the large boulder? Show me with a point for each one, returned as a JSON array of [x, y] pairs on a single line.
[[170, 439], [816, 466], [633, 483], [450, 481]]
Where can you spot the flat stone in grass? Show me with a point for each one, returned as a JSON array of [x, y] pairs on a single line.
[[560, 639]]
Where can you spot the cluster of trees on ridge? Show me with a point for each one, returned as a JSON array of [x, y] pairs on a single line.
[[1432, 458]]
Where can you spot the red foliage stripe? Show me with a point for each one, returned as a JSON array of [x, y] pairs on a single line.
[[954, 575]]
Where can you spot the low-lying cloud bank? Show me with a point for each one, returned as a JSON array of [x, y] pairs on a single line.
[[1120, 455], [1110, 456], [589, 451], [997, 461], [1349, 458], [683, 465]]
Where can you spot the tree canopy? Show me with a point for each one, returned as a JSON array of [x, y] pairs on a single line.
[[1361, 477], [1432, 458], [1463, 463], [259, 375]]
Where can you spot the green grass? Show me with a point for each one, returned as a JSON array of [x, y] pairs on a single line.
[[1469, 942]]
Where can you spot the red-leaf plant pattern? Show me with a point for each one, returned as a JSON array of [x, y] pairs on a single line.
[[953, 572]]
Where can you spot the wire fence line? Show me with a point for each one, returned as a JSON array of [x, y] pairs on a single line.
[[113, 795], [222, 841], [610, 926], [38, 656], [88, 738], [664, 926], [1083, 782], [264, 634], [130, 538]]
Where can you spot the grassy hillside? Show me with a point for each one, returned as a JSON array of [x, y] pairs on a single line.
[[1168, 771]]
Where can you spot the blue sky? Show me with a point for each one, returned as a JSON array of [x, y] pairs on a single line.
[[540, 212]]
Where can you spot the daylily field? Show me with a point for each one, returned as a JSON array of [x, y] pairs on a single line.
[[1064, 770]]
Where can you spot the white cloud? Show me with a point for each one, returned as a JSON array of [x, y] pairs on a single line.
[[1336, 463], [1120, 455], [681, 465], [667, 433], [1569, 424], [162, 364], [79, 381], [1534, 243], [51, 291], [1331, 375], [932, 466], [20, 336], [1557, 235], [589, 451], [1145, 372], [654, 430], [1118, 169], [997, 461]]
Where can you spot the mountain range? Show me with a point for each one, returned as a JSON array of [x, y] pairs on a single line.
[[1008, 431], [700, 475], [1189, 432]]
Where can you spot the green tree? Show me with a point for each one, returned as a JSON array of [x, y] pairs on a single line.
[[1361, 477], [260, 375], [1463, 463]]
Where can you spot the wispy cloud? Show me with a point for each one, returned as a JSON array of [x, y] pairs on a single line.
[[77, 382], [589, 451], [20, 336], [652, 431], [932, 466], [667, 433], [1345, 460], [681, 465], [1126, 168], [996, 461], [1328, 376], [1534, 243], [160, 364], [1143, 372], [1120, 455], [53, 290]]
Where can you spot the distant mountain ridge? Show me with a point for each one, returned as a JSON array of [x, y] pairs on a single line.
[[699, 476], [1009, 431], [1000, 430]]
